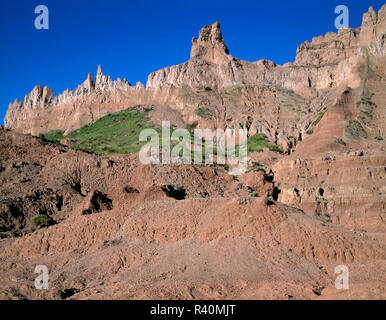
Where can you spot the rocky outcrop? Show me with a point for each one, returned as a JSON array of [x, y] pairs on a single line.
[[336, 47], [322, 68], [329, 49], [211, 65], [210, 45], [38, 98], [373, 31], [41, 98], [104, 83]]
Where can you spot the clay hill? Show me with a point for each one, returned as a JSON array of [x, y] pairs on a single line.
[[75, 197]]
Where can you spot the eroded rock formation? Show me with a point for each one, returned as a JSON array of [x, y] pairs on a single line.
[[325, 63], [121, 229]]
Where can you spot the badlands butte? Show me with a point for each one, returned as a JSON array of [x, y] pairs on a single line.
[[75, 197]]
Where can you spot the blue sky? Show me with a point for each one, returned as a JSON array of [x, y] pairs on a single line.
[[130, 39]]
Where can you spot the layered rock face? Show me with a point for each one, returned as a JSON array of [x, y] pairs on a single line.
[[325, 63], [41, 98], [120, 229], [338, 171], [210, 65], [320, 69], [336, 47]]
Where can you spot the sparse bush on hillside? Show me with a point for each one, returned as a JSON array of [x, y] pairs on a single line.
[[52, 136], [252, 192], [203, 113], [310, 129], [323, 217], [42, 220], [149, 109], [354, 130], [320, 116], [192, 126], [340, 141]]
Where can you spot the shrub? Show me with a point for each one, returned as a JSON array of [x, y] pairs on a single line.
[[149, 109], [252, 192], [191, 127], [202, 112], [378, 138], [259, 141], [323, 217], [42, 220], [52, 136], [340, 141], [178, 187], [175, 191], [320, 116], [354, 130]]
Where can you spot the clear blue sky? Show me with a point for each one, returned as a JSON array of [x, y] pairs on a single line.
[[130, 39]]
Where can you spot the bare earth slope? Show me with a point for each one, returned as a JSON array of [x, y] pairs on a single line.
[[217, 242]]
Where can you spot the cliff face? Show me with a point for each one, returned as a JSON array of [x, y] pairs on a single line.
[[211, 64], [321, 69], [336, 47], [40, 97]]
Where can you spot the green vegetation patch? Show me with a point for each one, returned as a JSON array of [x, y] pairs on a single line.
[[118, 133], [323, 217], [320, 116], [53, 135], [259, 141], [191, 127], [115, 133], [364, 104], [310, 130], [202, 112], [42, 220]]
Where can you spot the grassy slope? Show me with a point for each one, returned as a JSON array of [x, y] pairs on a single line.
[[259, 141], [113, 134], [118, 133]]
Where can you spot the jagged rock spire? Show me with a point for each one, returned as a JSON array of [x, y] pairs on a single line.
[[210, 44], [99, 76], [99, 71]]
